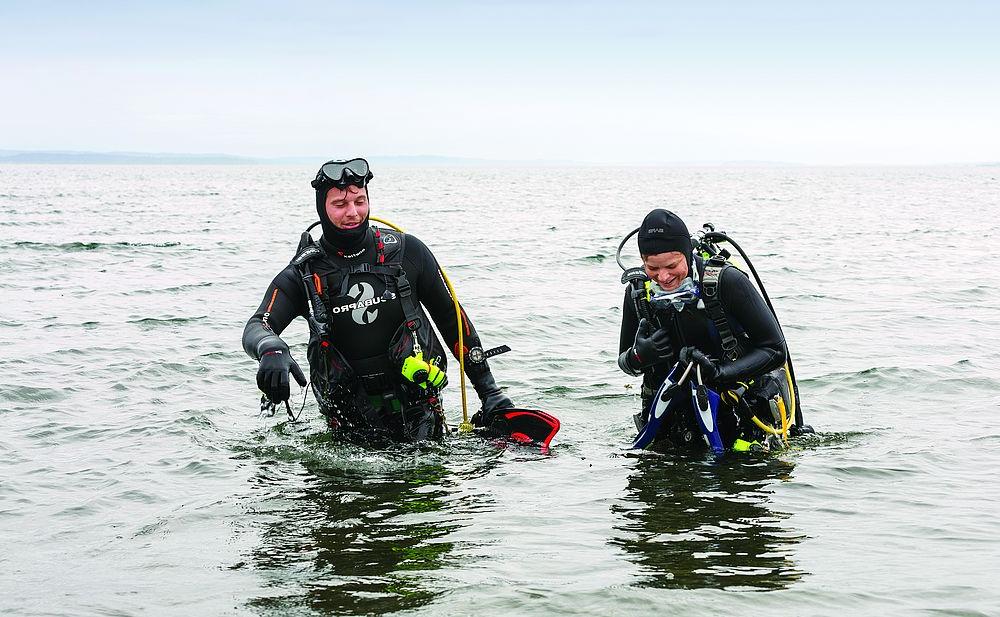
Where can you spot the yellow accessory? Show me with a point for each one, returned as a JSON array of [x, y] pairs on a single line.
[[783, 416], [465, 426], [415, 369], [423, 373], [435, 376]]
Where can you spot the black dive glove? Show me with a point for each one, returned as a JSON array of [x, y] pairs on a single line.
[[275, 364], [493, 399], [648, 349], [710, 371]]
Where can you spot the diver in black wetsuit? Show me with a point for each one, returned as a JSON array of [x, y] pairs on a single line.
[[377, 368], [650, 345]]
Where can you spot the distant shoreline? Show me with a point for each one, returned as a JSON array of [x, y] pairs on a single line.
[[60, 157]]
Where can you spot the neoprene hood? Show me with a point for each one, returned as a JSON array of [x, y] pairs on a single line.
[[662, 231], [342, 239]]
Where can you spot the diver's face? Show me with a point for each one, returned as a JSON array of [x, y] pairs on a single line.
[[348, 207], [667, 270]]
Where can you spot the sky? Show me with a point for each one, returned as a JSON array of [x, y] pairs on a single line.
[[891, 82]]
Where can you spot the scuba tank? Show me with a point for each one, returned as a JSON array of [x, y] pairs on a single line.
[[707, 245]]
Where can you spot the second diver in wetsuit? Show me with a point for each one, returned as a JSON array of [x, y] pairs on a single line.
[[738, 346]]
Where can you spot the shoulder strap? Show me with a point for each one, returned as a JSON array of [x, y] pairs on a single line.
[[393, 244], [306, 253], [714, 268], [309, 250], [406, 298]]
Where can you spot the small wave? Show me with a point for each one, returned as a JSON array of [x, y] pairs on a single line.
[[327, 453], [91, 246], [879, 376], [30, 394], [831, 439], [168, 370], [994, 438], [979, 291], [158, 526], [137, 496], [869, 471], [86, 325], [165, 321], [23, 224], [177, 288], [558, 390], [606, 395], [800, 296]]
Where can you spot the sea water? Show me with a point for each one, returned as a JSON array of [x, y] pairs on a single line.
[[137, 476]]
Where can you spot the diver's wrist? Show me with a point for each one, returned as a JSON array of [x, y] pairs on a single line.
[[271, 342], [629, 362]]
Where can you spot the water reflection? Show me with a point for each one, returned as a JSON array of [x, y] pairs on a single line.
[[699, 524], [353, 541]]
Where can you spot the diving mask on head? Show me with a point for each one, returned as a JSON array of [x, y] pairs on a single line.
[[684, 295], [342, 174]]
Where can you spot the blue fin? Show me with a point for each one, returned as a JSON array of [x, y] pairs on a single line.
[[706, 407], [657, 412]]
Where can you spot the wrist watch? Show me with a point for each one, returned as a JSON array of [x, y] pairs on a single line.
[[477, 355]]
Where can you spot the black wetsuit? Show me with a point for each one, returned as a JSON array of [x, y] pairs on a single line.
[[363, 322], [762, 345]]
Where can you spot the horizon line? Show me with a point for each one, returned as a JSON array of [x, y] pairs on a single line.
[[56, 157]]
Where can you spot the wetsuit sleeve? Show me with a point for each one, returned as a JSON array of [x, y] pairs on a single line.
[[766, 349], [628, 362], [434, 295], [284, 301], [630, 323]]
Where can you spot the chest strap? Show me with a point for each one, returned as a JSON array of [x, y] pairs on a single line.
[[393, 273]]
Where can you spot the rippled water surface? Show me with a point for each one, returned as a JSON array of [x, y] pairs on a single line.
[[136, 476]]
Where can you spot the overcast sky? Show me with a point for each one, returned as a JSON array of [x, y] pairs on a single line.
[[623, 82]]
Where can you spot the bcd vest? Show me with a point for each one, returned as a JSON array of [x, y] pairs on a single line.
[[363, 317]]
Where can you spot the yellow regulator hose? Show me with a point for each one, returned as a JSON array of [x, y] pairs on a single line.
[[791, 395], [465, 426]]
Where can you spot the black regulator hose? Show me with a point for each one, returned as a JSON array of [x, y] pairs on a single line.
[[621, 245], [715, 236]]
